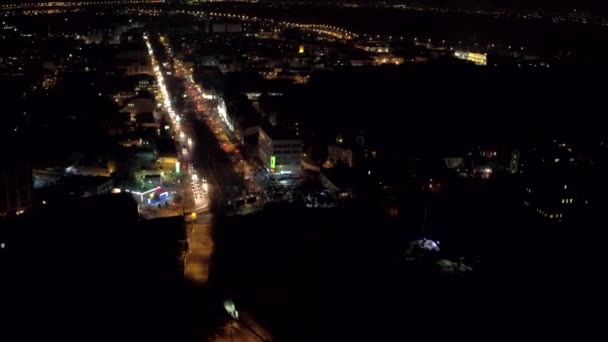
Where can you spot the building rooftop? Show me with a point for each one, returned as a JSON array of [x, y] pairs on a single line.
[[279, 132], [87, 181], [166, 148], [145, 117], [144, 94]]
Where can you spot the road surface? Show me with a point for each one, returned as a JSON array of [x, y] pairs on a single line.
[[210, 176]]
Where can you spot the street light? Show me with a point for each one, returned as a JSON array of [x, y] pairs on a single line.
[[230, 308]]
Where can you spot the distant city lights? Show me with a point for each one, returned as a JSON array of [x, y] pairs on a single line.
[[477, 58]]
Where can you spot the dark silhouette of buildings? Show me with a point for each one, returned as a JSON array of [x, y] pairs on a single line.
[[15, 186]]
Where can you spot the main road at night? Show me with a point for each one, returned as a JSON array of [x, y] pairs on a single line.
[[209, 176], [208, 156], [195, 189]]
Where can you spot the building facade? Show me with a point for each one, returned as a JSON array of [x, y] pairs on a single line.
[[554, 179], [280, 151]]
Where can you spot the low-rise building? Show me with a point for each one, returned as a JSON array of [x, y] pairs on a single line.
[[339, 155], [280, 150], [143, 102], [166, 152], [146, 120], [133, 59]]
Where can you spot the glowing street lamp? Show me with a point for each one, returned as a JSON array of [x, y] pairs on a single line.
[[231, 309]]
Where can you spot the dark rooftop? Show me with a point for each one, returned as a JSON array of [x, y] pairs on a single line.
[[278, 132], [146, 117], [86, 181], [166, 147]]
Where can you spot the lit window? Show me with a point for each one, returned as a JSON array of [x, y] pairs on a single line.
[[565, 186]]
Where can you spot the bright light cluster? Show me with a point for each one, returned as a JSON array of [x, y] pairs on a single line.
[[477, 58], [328, 30], [198, 186], [223, 113], [166, 99]]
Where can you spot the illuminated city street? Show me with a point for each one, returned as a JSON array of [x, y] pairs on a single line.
[[195, 190], [221, 160], [302, 171], [198, 194]]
